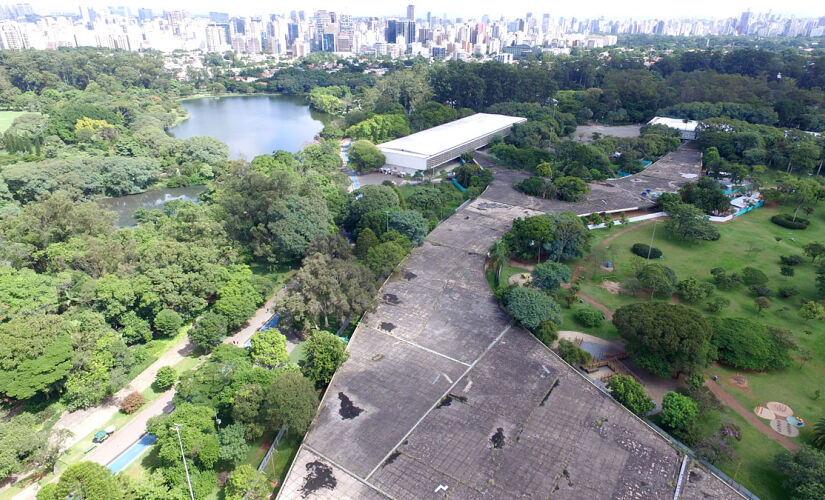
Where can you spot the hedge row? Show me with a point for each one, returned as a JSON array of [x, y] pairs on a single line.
[[642, 250], [787, 220]]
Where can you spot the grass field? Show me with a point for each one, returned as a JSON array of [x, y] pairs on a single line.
[[6, 118], [750, 240]]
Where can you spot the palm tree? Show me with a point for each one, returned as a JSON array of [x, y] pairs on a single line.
[[819, 433]]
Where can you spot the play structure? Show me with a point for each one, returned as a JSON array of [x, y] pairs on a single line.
[[781, 418]]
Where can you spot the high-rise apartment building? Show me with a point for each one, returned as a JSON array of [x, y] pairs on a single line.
[[411, 12]]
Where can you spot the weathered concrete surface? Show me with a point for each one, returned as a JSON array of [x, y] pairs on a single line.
[[442, 398]]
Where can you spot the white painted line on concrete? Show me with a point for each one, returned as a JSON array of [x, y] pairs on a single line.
[[420, 346], [438, 401]]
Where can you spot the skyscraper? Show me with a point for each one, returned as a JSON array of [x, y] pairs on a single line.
[[411, 12]]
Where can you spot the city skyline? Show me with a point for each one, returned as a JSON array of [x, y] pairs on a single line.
[[700, 9]]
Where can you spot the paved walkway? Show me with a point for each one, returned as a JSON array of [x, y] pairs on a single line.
[[750, 416], [84, 422]]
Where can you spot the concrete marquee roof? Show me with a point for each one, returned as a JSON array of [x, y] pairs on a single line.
[[444, 137]]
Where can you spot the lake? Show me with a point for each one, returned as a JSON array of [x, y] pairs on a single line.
[[251, 125], [125, 206]]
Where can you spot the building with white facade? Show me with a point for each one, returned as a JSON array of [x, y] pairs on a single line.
[[438, 145]]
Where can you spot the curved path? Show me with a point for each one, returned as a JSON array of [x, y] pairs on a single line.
[[757, 423]]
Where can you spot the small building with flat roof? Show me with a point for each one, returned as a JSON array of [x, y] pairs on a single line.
[[686, 128], [438, 145]]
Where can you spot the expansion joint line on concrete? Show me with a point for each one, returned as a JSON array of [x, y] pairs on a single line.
[[440, 244], [354, 475], [437, 401], [431, 351]]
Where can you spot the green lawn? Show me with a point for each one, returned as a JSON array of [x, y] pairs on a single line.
[[6, 118], [750, 240]]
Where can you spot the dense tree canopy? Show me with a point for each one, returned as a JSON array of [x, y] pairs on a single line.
[[665, 339]]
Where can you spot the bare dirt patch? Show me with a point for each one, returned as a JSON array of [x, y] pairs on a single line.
[[519, 279], [611, 286], [740, 381]]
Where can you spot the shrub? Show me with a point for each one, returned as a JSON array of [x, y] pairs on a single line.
[[661, 279], [132, 403], [588, 316], [678, 411], [531, 307], [631, 394], [761, 291], [642, 249], [724, 280], [572, 353], [550, 275], [753, 276], [787, 291], [786, 271], [693, 291], [717, 303], [168, 322], [787, 221], [165, 378], [790, 260], [547, 333], [748, 345]]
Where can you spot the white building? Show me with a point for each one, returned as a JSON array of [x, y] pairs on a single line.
[[687, 128], [438, 145]]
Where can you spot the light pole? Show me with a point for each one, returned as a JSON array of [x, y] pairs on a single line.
[[651, 240], [185, 467]]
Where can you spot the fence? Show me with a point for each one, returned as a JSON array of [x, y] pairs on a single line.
[[269, 452]]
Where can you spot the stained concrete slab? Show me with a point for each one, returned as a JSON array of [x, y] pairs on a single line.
[[441, 398]]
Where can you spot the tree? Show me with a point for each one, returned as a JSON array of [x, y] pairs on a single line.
[[761, 304], [197, 433], [717, 303], [631, 394], [165, 378], [35, 353], [233, 445], [268, 348], [812, 310], [291, 400], [548, 276], [329, 287], [665, 339], [383, 257], [661, 280], [410, 223], [531, 307], [238, 298], [168, 322], [373, 198], [693, 291], [814, 250], [246, 483], [560, 236], [366, 240], [689, 223], [132, 402], [324, 354], [365, 157], [678, 411], [749, 345], [571, 188], [84, 481], [208, 332], [819, 434], [573, 354], [804, 473]]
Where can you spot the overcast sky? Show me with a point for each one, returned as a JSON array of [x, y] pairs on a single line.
[[474, 8]]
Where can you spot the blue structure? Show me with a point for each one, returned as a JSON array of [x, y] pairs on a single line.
[[459, 186], [134, 451], [272, 323]]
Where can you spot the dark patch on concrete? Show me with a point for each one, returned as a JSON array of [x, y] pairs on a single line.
[[348, 410], [448, 400], [409, 276], [498, 439], [319, 475], [693, 477], [391, 298], [553, 386], [387, 326], [392, 458], [567, 476]]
